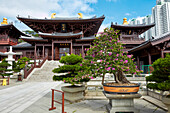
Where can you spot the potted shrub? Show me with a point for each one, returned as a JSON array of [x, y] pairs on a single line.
[[4, 72], [106, 55], [72, 73], [20, 65], [161, 78]]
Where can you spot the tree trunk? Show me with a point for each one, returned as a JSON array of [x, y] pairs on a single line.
[[120, 78], [103, 79]]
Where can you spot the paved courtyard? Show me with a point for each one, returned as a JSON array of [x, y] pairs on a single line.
[[35, 97]]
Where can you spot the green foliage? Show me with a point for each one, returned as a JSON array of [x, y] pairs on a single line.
[[33, 33], [3, 68], [161, 73], [105, 55], [73, 69], [152, 85], [71, 59], [21, 64]]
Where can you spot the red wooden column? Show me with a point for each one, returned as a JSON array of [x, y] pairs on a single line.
[[162, 53], [43, 51], [138, 61], [52, 50], [71, 46], [35, 54], [82, 50], [149, 58]]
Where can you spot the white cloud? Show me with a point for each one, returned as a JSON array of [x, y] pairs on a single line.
[[112, 0], [44, 8], [127, 14]]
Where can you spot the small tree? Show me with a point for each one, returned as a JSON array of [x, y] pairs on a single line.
[[160, 75], [106, 56], [21, 63], [3, 68], [73, 69]]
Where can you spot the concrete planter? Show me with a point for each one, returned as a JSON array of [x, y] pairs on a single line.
[[166, 101], [73, 93]]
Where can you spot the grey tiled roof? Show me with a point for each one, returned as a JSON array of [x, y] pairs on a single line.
[[61, 34], [22, 45]]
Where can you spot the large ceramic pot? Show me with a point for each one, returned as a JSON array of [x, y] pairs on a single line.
[[166, 101], [130, 89], [73, 93]]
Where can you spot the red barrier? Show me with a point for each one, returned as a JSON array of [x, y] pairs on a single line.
[[52, 105]]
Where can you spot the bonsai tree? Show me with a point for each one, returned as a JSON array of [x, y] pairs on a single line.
[[106, 56], [74, 69], [21, 64], [160, 75], [3, 68]]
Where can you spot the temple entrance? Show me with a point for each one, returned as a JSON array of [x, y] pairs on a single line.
[[61, 49]]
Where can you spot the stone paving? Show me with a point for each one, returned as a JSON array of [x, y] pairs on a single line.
[[35, 97]]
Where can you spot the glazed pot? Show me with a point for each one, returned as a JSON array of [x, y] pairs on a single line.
[[111, 89]]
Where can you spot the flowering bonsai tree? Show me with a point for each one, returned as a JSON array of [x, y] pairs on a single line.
[[73, 68], [106, 56]]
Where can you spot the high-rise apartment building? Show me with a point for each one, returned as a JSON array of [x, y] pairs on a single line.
[[161, 17]]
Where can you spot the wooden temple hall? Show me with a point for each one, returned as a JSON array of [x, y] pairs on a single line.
[[58, 36]]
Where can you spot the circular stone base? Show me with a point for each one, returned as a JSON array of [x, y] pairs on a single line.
[[73, 93]]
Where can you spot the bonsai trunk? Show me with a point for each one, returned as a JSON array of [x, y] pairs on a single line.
[[120, 78]]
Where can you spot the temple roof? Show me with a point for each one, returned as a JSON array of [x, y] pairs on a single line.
[[88, 26], [60, 35], [91, 38], [153, 42], [33, 39], [22, 45], [141, 28], [12, 30]]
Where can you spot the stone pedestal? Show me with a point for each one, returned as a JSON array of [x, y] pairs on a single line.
[[121, 103], [73, 93]]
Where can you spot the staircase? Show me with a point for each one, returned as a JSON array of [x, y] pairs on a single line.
[[44, 74]]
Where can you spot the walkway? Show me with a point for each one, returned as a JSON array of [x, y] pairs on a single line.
[[17, 98]]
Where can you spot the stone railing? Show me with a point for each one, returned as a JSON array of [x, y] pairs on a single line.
[[157, 93]]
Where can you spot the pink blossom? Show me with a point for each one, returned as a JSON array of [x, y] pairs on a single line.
[[117, 55], [129, 56], [122, 67], [110, 41], [107, 62], [80, 64], [93, 55], [110, 54], [85, 49], [92, 62], [127, 69], [101, 60], [135, 73], [113, 68], [92, 77], [108, 68], [64, 81], [101, 51], [116, 59], [121, 60], [118, 41], [110, 37], [136, 66], [126, 61]]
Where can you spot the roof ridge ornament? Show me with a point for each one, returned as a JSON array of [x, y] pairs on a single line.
[[80, 15], [4, 21], [53, 15], [125, 21]]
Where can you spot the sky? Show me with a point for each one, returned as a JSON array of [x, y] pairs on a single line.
[[113, 10]]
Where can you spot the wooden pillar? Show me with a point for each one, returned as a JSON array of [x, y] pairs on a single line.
[[43, 51], [162, 53], [149, 58], [138, 61], [82, 51], [35, 55], [71, 46], [52, 50]]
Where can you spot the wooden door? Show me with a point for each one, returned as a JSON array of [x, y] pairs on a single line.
[[56, 53]]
